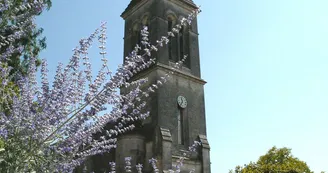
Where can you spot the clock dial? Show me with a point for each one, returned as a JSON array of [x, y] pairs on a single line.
[[182, 102]]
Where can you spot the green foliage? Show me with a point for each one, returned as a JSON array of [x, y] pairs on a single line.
[[276, 160], [8, 89], [2, 144], [31, 43], [6, 92]]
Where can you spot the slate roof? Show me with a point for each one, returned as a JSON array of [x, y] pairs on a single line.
[[135, 2]]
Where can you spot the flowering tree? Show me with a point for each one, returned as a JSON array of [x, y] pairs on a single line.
[[19, 38], [50, 128]]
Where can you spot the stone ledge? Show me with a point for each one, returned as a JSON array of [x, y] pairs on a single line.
[[166, 135], [204, 141]]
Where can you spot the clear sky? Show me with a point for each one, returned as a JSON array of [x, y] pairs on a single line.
[[265, 61]]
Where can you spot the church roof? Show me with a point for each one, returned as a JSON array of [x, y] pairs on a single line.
[[135, 2]]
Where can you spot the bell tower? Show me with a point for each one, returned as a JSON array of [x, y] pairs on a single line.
[[177, 108]]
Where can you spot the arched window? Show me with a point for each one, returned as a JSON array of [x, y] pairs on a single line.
[[173, 43], [183, 47], [178, 45], [135, 38], [144, 22]]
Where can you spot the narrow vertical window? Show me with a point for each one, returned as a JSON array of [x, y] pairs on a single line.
[[169, 28], [187, 46], [139, 38], [145, 23], [135, 39], [181, 47], [180, 127]]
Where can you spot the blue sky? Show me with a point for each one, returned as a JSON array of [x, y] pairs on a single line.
[[265, 63]]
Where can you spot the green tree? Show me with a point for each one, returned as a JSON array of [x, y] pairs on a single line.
[[276, 160], [30, 42], [20, 39]]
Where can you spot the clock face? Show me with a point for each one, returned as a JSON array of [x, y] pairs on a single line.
[[182, 102]]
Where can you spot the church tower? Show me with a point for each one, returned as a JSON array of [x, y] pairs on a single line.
[[177, 108]]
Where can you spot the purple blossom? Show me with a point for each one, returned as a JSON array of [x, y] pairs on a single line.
[[3, 133], [57, 121]]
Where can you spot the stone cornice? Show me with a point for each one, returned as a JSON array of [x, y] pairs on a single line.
[[184, 4], [128, 12], [181, 73], [177, 72]]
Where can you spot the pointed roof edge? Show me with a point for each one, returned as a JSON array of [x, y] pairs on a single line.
[[134, 3]]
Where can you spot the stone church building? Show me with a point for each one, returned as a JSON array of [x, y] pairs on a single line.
[[177, 109]]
